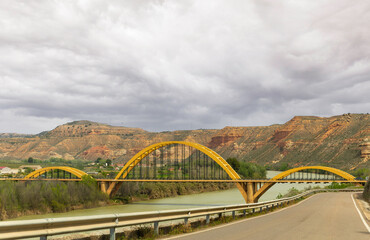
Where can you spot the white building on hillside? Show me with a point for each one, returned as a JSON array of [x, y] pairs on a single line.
[[7, 170]]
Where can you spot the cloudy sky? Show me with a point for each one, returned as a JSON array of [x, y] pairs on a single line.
[[165, 65]]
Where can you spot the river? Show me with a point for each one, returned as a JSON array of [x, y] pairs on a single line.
[[217, 198]]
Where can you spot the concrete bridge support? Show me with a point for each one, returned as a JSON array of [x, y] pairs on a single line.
[[248, 191], [103, 187]]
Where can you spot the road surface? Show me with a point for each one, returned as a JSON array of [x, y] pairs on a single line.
[[322, 216]]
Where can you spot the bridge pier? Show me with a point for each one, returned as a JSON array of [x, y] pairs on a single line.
[[248, 190], [103, 187]]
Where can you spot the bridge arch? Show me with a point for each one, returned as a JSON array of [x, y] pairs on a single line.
[[76, 172], [135, 160], [146, 151], [282, 175], [335, 171]]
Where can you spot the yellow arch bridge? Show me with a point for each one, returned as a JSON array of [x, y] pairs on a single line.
[[177, 161]]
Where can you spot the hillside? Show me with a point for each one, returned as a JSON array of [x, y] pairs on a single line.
[[339, 141]]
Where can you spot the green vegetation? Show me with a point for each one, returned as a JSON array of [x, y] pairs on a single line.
[[150, 190], [234, 163], [21, 198], [251, 171], [361, 173], [283, 167], [247, 170], [366, 193], [335, 185], [77, 163], [293, 191]]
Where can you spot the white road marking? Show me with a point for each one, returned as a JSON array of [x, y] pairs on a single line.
[[359, 213]]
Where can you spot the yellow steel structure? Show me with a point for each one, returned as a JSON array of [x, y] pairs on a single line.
[[248, 188], [78, 173], [338, 172], [268, 185], [146, 151]]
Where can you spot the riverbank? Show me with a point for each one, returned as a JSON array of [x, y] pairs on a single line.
[[141, 191], [142, 203], [28, 198], [21, 199]]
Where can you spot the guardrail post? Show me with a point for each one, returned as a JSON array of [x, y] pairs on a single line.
[[220, 215], [186, 221], [244, 212], [233, 214], [156, 227], [112, 233], [260, 209], [43, 237], [207, 219], [253, 210]]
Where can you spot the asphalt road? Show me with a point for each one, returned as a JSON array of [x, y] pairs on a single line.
[[322, 216]]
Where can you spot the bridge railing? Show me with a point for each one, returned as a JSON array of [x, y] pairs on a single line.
[[55, 226]]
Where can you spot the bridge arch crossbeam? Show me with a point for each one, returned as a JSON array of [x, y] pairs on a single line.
[[76, 172], [282, 175]]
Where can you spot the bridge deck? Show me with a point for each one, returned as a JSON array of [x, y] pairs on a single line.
[[196, 180]]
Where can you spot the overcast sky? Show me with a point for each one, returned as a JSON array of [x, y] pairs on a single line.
[[189, 64]]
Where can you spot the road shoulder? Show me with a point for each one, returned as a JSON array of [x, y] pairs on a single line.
[[363, 208]]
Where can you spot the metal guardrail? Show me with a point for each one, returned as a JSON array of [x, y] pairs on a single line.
[[55, 226]]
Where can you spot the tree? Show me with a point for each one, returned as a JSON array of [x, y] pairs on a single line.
[[366, 193], [30, 160], [361, 173], [97, 160], [108, 162], [251, 171], [28, 170], [284, 166], [234, 163], [89, 181]]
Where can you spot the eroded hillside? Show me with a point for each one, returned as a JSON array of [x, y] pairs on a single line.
[[339, 141]]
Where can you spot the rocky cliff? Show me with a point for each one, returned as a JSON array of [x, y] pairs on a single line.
[[339, 141]]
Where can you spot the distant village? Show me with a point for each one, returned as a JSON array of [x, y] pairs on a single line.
[[24, 169], [100, 168]]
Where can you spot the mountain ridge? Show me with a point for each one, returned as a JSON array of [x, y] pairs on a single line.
[[337, 141]]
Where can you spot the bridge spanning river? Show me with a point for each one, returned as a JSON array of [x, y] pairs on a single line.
[[176, 161]]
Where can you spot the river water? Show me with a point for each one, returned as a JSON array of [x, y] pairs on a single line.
[[217, 198]]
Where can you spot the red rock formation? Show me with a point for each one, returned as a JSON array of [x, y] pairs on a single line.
[[335, 141]]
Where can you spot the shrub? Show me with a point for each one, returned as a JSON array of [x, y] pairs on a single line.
[[366, 193], [335, 185], [17, 198]]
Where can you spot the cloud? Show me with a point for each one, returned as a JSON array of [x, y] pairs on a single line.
[[164, 65]]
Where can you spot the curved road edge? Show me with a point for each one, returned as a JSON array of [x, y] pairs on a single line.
[[241, 220], [327, 222], [361, 212]]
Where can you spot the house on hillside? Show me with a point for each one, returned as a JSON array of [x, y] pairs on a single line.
[[7, 170]]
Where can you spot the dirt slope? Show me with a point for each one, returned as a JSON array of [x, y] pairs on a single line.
[[339, 141]]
